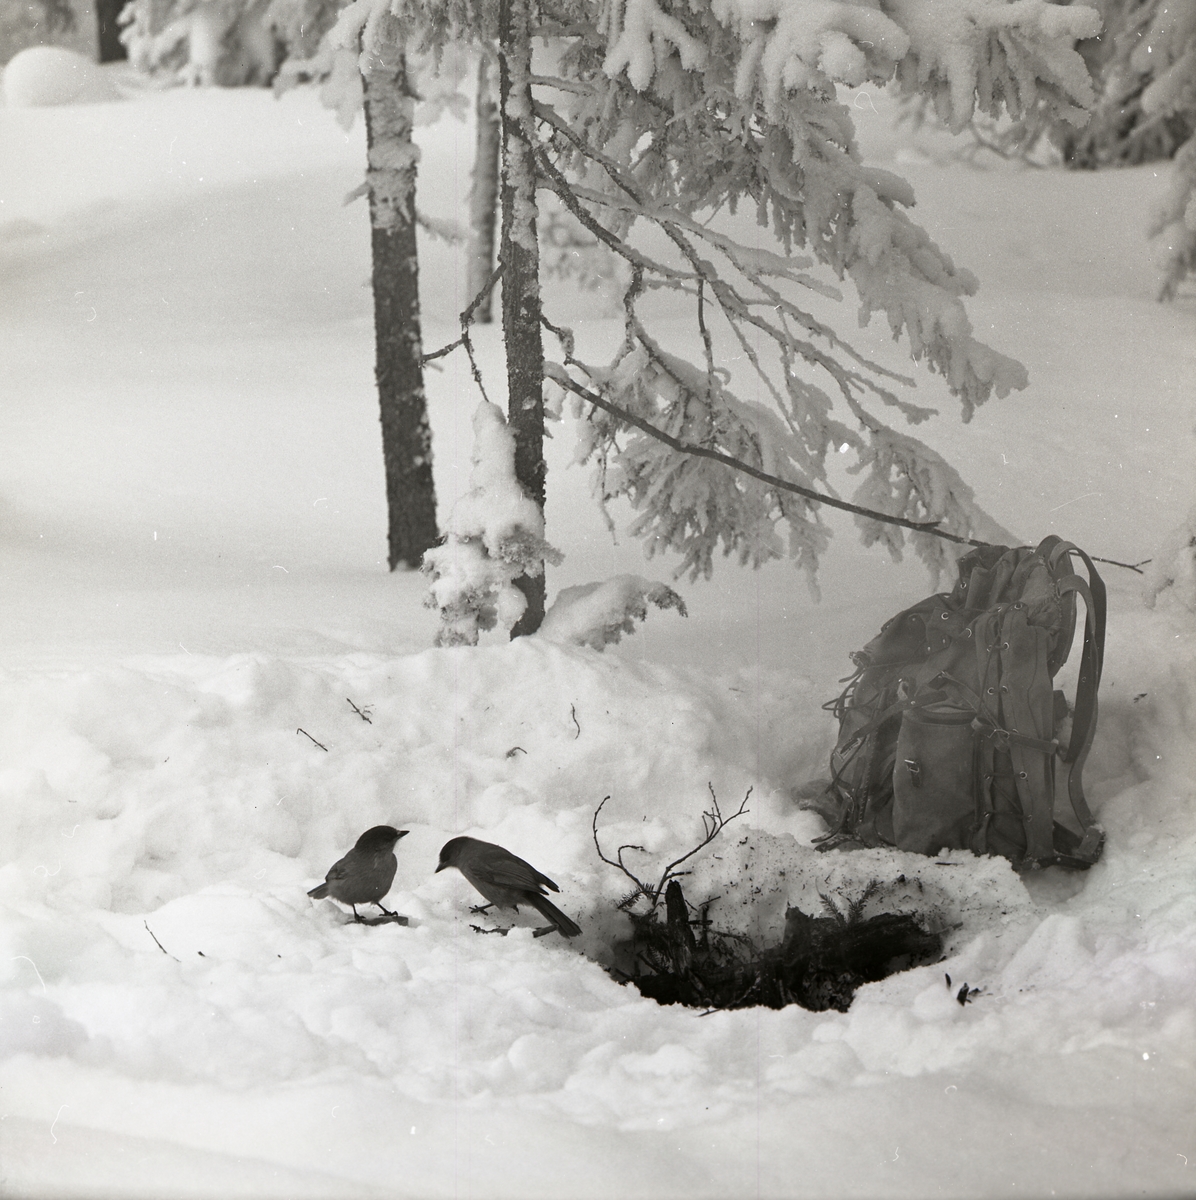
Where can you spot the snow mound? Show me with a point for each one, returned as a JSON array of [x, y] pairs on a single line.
[[41, 76], [598, 614]]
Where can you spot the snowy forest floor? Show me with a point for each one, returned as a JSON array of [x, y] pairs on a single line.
[[192, 538]]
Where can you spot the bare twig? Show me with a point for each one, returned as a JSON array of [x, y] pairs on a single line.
[[573, 714], [641, 889], [308, 735], [713, 823], [466, 320], [363, 713], [1128, 566], [156, 942]]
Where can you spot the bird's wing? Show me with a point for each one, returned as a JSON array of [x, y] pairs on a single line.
[[338, 870], [513, 872]]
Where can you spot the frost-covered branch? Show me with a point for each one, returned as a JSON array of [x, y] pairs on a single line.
[[598, 614], [562, 377]]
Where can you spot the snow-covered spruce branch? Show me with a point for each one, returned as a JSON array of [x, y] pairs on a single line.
[[738, 310], [713, 823], [752, 263], [559, 375], [696, 521]]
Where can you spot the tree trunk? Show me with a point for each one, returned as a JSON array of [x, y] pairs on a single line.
[[521, 280], [406, 434], [483, 195], [111, 48]]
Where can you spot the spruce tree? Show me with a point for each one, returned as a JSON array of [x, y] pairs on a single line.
[[666, 116]]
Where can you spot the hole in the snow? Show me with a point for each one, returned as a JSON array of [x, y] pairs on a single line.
[[819, 964]]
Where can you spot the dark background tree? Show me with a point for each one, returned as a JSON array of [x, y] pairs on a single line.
[[111, 48], [406, 435]]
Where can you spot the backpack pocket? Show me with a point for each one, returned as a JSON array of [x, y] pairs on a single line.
[[934, 781]]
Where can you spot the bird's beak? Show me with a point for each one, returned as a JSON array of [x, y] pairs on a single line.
[[403, 833], [440, 867]]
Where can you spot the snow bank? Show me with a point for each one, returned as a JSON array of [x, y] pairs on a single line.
[[165, 818], [41, 76]]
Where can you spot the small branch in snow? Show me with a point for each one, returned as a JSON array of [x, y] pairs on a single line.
[[573, 714], [514, 750], [308, 735], [1128, 566], [363, 713], [156, 942]]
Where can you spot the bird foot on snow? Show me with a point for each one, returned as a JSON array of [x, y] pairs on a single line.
[[391, 918]]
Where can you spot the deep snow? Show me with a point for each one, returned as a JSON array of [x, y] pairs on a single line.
[[192, 547]]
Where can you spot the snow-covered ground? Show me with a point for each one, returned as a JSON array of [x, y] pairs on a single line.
[[192, 543]]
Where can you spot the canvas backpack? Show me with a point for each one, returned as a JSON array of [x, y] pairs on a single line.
[[951, 732]]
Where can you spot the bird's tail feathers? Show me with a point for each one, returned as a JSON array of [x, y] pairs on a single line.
[[320, 892], [550, 912]]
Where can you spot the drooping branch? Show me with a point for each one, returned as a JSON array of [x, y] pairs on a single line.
[[562, 377]]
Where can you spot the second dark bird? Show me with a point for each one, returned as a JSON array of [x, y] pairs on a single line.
[[505, 880], [365, 874]]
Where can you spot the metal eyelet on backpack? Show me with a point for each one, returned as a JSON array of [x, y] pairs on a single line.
[[992, 691], [945, 615]]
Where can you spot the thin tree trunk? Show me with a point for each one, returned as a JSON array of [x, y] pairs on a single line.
[[483, 194], [406, 434], [521, 280]]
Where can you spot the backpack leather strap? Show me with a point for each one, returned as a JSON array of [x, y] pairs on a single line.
[[1084, 715]]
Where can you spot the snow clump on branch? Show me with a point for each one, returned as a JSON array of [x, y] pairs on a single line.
[[991, 52], [496, 534], [598, 614]]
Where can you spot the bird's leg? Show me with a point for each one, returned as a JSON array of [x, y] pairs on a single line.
[[385, 910], [356, 915]]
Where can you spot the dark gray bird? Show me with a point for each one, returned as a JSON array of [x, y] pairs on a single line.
[[365, 874], [505, 881]]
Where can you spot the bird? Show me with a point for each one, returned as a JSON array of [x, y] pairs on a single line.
[[505, 880], [365, 874]]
